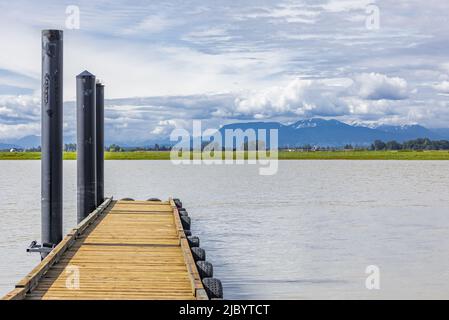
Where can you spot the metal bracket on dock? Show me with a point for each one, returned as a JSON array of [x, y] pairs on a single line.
[[44, 248]]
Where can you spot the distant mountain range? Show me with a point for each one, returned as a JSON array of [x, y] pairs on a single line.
[[333, 133], [26, 142], [316, 132]]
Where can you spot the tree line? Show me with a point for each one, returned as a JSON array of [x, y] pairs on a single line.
[[417, 144], [71, 147], [377, 145]]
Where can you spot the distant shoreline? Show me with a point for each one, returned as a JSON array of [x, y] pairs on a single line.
[[283, 155]]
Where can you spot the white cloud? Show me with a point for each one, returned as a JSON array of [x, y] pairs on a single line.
[[365, 94], [291, 13], [300, 97], [14, 131], [19, 116], [207, 35], [346, 5], [165, 127], [375, 86], [369, 108], [18, 109], [152, 24], [178, 53], [442, 87]]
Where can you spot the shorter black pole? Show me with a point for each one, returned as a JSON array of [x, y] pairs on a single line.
[[100, 142], [86, 145]]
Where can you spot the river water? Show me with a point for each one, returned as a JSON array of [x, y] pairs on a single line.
[[309, 231]]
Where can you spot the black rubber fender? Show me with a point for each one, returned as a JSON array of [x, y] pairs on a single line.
[[198, 254], [194, 241], [178, 203], [185, 221], [183, 213], [188, 233], [205, 269], [154, 199], [213, 287], [127, 199]]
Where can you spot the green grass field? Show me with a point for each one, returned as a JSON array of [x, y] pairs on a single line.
[[283, 155], [365, 155]]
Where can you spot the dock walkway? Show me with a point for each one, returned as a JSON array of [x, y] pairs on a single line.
[[122, 250]]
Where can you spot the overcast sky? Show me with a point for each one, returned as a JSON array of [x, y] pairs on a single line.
[[165, 63]]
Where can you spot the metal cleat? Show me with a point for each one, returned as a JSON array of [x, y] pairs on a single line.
[[44, 248]]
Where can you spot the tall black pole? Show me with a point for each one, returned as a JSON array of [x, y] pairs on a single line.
[[86, 151], [100, 142], [51, 137]]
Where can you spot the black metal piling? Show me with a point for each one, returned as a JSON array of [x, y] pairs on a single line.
[[86, 144], [100, 141], [51, 136]]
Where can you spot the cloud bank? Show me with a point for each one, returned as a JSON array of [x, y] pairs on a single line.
[[232, 61]]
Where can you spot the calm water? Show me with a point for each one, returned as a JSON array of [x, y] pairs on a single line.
[[308, 232]]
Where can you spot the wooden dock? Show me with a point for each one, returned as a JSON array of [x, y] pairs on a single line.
[[122, 250]]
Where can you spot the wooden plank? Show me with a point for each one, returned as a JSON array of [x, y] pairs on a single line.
[[132, 250], [15, 294], [31, 280], [83, 225], [137, 202]]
